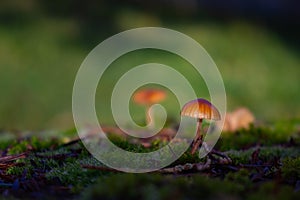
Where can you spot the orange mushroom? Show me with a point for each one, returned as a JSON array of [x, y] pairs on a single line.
[[148, 97], [240, 118], [200, 109]]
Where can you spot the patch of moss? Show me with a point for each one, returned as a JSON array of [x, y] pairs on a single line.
[[291, 168], [241, 178], [31, 143], [126, 145], [154, 186], [187, 157], [66, 164], [32, 164], [69, 133], [265, 154], [73, 175], [243, 139], [271, 190], [240, 157], [20, 170]]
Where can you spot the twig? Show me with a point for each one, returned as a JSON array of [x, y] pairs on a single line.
[[254, 165], [4, 166], [100, 168], [186, 167], [12, 157], [71, 142]]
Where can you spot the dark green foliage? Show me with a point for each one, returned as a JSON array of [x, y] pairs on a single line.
[[187, 157], [73, 175], [33, 143], [266, 153], [154, 186], [271, 191], [291, 168], [126, 145], [266, 136], [240, 178]]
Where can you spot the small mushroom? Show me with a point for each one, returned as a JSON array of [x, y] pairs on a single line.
[[200, 109], [148, 97], [240, 118]]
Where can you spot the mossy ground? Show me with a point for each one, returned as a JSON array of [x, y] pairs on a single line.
[[265, 164]]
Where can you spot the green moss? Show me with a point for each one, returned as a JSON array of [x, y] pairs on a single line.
[[126, 145], [240, 178], [265, 154], [291, 168], [73, 175], [153, 186], [32, 164], [271, 191], [69, 133], [20, 170], [31, 143], [65, 163], [243, 138], [187, 157], [17, 148], [68, 173], [42, 144]]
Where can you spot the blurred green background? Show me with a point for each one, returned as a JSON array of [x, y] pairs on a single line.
[[42, 45]]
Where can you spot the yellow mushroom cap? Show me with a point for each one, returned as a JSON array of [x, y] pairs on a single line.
[[149, 96], [201, 109]]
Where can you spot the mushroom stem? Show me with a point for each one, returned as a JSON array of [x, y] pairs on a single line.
[[148, 118], [198, 139]]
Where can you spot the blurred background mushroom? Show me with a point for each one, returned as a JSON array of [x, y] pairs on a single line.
[[239, 118], [147, 97]]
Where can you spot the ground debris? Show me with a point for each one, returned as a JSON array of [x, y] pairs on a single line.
[[27, 173], [10, 158]]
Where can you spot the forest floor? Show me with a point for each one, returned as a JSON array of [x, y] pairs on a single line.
[[264, 163]]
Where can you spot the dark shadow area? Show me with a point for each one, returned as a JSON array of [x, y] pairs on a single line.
[[97, 19]]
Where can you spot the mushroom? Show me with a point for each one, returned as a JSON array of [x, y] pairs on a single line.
[[238, 119], [148, 97], [200, 109]]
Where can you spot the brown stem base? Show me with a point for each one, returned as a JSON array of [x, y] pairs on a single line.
[[198, 139], [196, 143]]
